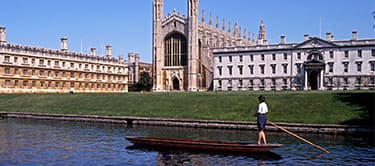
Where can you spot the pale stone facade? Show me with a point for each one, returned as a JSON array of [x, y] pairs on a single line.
[[314, 64], [182, 48], [136, 68], [26, 69]]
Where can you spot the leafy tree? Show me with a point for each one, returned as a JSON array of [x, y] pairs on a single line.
[[144, 84]]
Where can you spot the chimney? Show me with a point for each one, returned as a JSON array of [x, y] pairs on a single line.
[[2, 35], [282, 39], [64, 44], [109, 51], [306, 37], [93, 52], [329, 36], [136, 68], [354, 35]]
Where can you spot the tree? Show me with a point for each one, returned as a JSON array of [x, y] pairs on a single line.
[[144, 84]]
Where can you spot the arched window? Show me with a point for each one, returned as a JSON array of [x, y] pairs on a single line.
[[175, 50]]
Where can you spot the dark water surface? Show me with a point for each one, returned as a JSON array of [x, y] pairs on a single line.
[[43, 142]]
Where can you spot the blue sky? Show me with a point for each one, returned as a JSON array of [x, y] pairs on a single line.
[[127, 25]]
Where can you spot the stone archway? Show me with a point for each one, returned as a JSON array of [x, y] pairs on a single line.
[[176, 83]]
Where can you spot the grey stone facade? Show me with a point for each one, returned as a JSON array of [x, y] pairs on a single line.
[[314, 64]]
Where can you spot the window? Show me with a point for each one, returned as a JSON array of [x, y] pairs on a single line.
[[251, 83], [7, 70], [15, 59], [229, 83], [240, 70], [57, 63], [359, 66], [359, 53], [15, 70], [373, 52], [330, 67], [42, 84], [33, 72], [15, 83], [261, 69], [56, 74], [72, 85], [71, 64], [87, 66], [273, 56], [33, 83], [285, 81], [346, 80], [273, 82], [63, 64], [220, 59], [25, 60], [330, 80], [41, 72], [285, 68], [230, 70], [262, 82], [240, 83], [220, 83], [252, 57], [298, 55], [262, 57], [7, 59], [346, 54], [358, 81], [346, 66], [41, 62], [372, 66], [230, 58], [7, 83], [241, 58], [71, 74], [285, 56], [251, 68], [48, 62], [25, 72], [49, 73], [331, 55], [33, 61], [273, 66], [24, 83]]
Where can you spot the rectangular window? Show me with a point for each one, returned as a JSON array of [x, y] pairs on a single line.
[[358, 81], [330, 67], [252, 57], [33, 61], [15, 59], [273, 82], [346, 54], [298, 55], [230, 58], [285, 81], [220, 83], [56, 74], [359, 66], [262, 82], [373, 52], [25, 60], [24, 83], [273, 56], [25, 72], [285, 68], [220, 60], [42, 84], [240, 70], [15, 70], [57, 63], [241, 58], [63, 64], [372, 66], [285, 56], [48, 62], [240, 83], [273, 66], [41, 62], [33, 72], [33, 83], [262, 57], [230, 70], [251, 68], [251, 83], [359, 53], [15, 83], [7, 70], [346, 80], [7, 59], [346, 67], [71, 65], [331, 55], [41, 73], [261, 69], [7, 83], [229, 83], [49, 73], [71, 74]]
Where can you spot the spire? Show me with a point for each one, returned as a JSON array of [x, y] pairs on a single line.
[[217, 22], [249, 37], [244, 34], [223, 25], [210, 19], [235, 32], [262, 34], [203, 19], [229, 30]]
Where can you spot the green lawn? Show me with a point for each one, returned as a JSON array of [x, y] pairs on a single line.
[[354, 107]]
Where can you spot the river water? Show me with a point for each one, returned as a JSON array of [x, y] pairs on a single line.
[[45, 142]]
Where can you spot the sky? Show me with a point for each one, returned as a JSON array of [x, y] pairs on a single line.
[[126, 25]]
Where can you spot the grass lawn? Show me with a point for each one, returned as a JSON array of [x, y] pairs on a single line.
[[352, 107]]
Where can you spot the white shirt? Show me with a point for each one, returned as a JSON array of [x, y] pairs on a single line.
[[262, 108]]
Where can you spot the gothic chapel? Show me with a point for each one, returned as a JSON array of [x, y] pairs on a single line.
[[182, 47]]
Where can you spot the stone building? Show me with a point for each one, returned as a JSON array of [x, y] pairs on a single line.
[[314, 64], [182, 47], [26, 69], [136, 67]]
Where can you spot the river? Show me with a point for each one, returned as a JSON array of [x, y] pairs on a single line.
[[47, 142]]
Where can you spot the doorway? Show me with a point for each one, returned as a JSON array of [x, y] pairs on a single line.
[[176, 84], [313, 80]]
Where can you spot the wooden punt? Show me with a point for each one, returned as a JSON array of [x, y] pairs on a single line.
[[201, 145]]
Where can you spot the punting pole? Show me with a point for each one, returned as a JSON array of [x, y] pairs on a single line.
[[300, 138]]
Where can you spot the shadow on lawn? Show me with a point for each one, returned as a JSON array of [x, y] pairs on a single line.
[[365, 104]]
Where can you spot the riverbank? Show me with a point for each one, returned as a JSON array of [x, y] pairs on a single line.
[[211, 124], [314, 107]]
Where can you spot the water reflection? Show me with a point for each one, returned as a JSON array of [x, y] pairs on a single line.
[[40, 142]]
